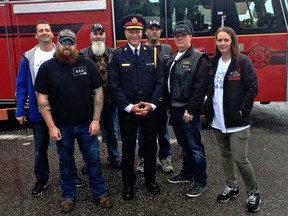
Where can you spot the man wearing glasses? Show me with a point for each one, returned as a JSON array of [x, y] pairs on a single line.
[[70, 99]]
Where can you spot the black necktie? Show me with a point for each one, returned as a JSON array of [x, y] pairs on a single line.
[[136, 54]]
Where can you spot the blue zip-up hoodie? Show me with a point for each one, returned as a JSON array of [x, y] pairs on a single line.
[[25, 87]]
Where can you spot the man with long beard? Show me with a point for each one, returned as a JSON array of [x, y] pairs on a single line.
[[70, 99], [99, 54]]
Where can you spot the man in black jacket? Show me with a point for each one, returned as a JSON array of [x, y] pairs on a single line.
[[99, 53], [187, 86], [153, 32]]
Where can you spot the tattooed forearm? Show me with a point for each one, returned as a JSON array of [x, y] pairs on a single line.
[[98, 103], [44, 105]]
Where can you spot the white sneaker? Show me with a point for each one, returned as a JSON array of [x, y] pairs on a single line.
[[166, 164], [140, 167]]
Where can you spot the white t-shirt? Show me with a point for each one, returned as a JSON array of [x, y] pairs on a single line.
[[178, 55], [40, 57]]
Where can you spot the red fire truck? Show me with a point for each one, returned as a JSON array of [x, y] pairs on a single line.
[[261, 26], [17, 34]]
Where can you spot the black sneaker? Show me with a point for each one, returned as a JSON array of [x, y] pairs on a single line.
[[116, 164], [80, 182], [39, 188], [84, 170], [227, 194], [196, 190], [253, 202], [179, 179]]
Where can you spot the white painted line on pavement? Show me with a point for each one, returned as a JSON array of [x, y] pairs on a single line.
[[14, 136]]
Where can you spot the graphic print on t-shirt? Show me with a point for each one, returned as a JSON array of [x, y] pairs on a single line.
[[220, 74], [219, 79], [79, 71]]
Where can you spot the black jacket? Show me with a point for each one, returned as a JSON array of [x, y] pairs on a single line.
[[101, 63], [240, 88], [189, 76]]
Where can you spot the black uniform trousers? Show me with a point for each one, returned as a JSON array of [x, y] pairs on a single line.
[[129, 124]]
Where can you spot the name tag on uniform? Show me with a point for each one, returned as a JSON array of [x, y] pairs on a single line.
[[165, 55], [125, 64], [79, 71], [186, 65]]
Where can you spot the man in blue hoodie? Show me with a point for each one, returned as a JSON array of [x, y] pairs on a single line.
[[30, 63]]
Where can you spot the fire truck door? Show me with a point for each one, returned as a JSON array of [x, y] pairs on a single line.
[[7, 78]]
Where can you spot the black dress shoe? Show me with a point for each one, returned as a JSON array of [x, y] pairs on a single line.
[[128, 193], [153, 187]]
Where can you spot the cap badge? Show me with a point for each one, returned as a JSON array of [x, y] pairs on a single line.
[[134, 21]]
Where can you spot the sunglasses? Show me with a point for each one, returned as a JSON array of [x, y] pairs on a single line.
[[67, 42]]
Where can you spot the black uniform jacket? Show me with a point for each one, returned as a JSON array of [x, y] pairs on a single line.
[[135, 80]]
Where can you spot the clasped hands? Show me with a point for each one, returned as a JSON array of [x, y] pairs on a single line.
[[187, 117], [141, 108]]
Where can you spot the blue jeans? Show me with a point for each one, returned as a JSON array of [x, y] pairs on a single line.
[[89, 147], [162, 135], [189, 138], [110, 122], [41, 142]]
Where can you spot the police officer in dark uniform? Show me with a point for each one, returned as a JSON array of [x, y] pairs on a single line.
[[136, 78]]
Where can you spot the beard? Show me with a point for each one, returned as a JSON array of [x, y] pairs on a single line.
[[98, 48], [154, 40], [67, 59]]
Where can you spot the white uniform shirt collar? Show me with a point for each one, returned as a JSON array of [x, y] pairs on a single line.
[[133, 48]]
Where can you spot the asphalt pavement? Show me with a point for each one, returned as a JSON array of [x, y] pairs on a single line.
[[267, 153]]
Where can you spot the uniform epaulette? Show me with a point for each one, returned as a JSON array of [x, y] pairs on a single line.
[[118, 49], [147, 47]]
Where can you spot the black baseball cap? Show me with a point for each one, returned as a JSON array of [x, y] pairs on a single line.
[[97, 26], [66, 34], [155, 23], [182, 28]]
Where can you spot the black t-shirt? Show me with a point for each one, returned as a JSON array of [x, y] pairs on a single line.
[[69, 89]]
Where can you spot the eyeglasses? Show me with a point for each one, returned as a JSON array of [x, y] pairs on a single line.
[[67, 42]]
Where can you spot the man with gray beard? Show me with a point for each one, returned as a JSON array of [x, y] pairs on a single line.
[[99, 54]]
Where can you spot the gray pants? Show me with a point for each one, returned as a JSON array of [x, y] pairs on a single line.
[[233, 149]]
